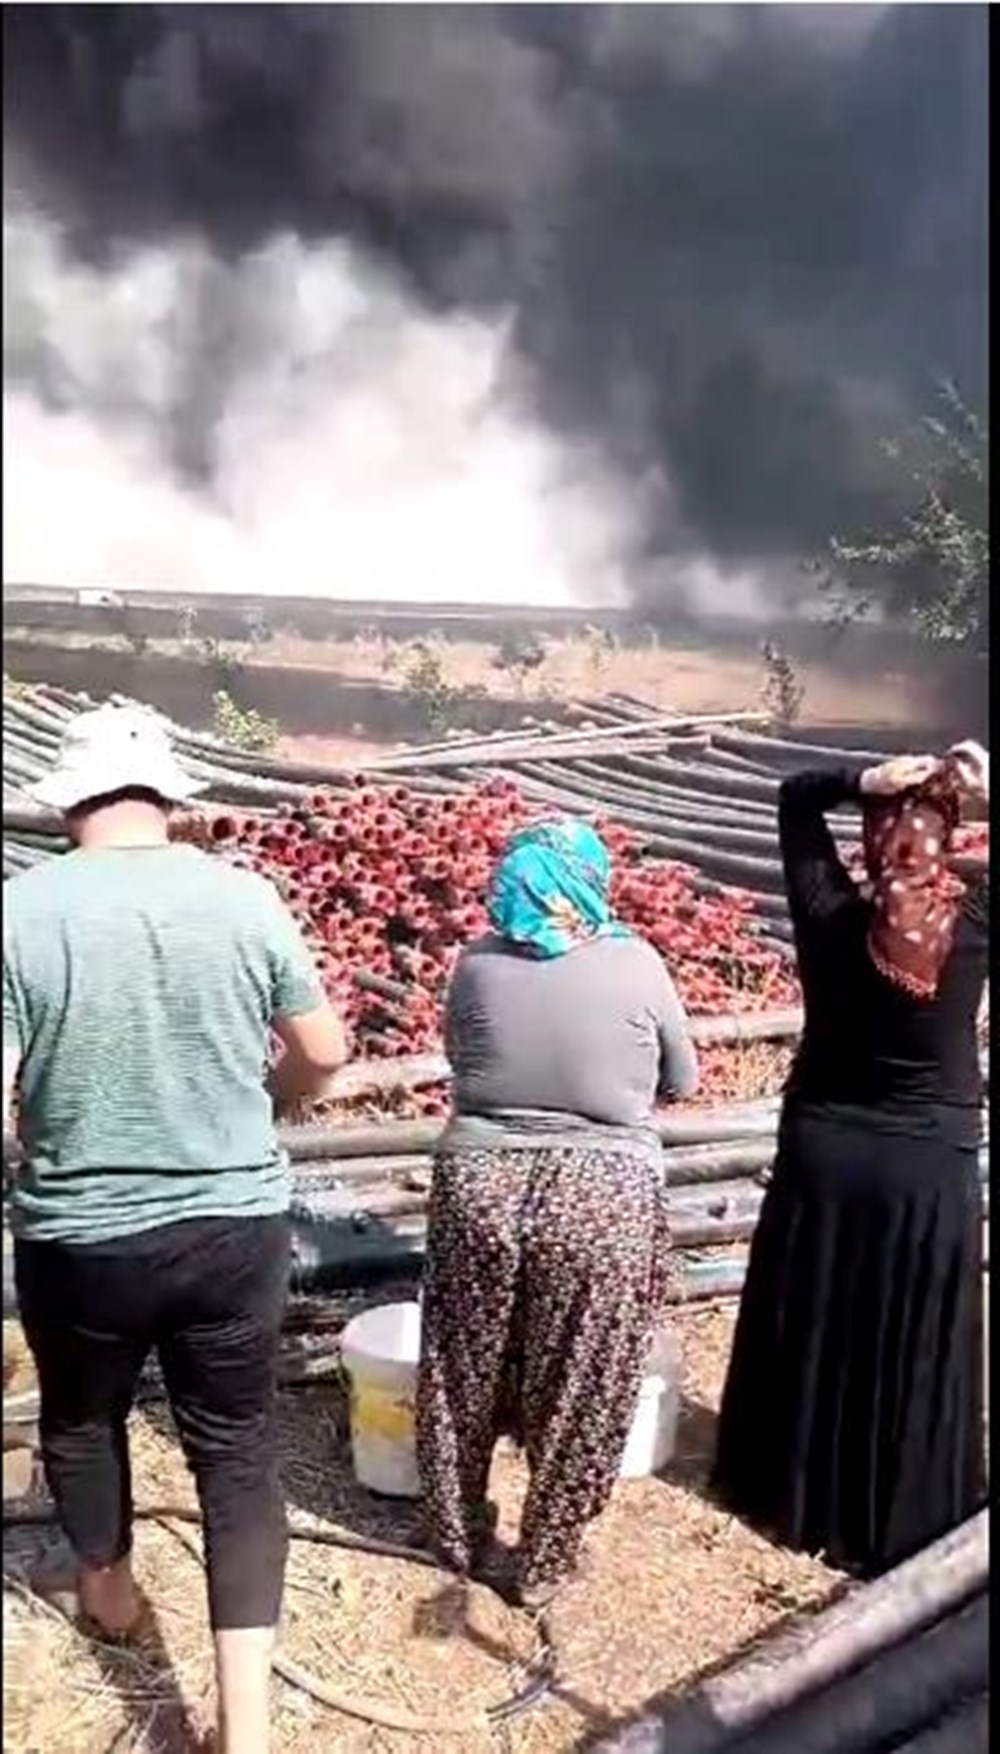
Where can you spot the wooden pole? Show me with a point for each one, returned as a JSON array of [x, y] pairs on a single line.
[[676, 1127]]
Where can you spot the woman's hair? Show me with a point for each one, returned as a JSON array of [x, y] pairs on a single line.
[[124, 795]]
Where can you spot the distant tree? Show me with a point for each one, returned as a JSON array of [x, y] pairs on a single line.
[[186, 619], [135, 639], [600, 645], [425, 678], [520, 655], [782, 693], [257, 628], [934, 567]]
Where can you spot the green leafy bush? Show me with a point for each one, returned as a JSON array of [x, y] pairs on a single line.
[[934, 567]]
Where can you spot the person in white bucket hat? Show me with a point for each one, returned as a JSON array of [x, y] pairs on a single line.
[[115, 749], [141, 982]]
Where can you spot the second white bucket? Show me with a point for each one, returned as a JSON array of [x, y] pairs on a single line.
[[380, 1350], [653, 1437]]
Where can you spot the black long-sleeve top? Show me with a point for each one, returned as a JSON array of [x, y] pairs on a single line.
[[866, 1043]]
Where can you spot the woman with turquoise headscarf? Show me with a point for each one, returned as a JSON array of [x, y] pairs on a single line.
[[547, 1235], [551, 889]]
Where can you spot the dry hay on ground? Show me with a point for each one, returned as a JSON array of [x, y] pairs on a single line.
[[18, 1366], [671, 1585]]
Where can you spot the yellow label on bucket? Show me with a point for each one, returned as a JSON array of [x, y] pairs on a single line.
[[377, 1412]]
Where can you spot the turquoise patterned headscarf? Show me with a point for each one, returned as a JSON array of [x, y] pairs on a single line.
[[550, 889]]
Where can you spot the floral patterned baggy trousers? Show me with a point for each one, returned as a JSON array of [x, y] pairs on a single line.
[[545, 1273]]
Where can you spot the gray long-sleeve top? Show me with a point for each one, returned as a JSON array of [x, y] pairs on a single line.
[[568, 1050]]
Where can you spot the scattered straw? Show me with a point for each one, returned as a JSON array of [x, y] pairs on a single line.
[[670, 1586]]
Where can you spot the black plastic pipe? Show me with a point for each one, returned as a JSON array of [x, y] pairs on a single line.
[[804, 1660]]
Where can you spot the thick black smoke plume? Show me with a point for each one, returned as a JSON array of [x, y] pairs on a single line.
[[739, 242]]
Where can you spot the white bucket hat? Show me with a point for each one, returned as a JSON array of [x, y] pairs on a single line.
[[109, 750]]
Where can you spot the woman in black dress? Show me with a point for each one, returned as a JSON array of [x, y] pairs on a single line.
[[852, 1418]]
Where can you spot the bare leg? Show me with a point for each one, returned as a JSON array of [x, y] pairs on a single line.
[[243, 1669]]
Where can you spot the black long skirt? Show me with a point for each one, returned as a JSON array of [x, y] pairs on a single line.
[[852, 1417]]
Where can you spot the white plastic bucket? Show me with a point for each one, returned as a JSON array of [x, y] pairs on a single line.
[[379, 1350], [653, 1437]]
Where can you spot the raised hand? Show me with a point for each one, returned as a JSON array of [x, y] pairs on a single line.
[[902, 774], [973, 764]]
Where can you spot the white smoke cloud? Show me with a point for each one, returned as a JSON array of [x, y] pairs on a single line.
[[359, 446]]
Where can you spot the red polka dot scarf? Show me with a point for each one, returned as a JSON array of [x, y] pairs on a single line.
[[916, 896]]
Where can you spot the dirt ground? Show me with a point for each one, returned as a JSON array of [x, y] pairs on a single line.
[[335, 752], [675, 679], [672, 680], [670, 1587]]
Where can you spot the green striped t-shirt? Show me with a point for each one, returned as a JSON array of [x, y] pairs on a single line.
[[139, 986]]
